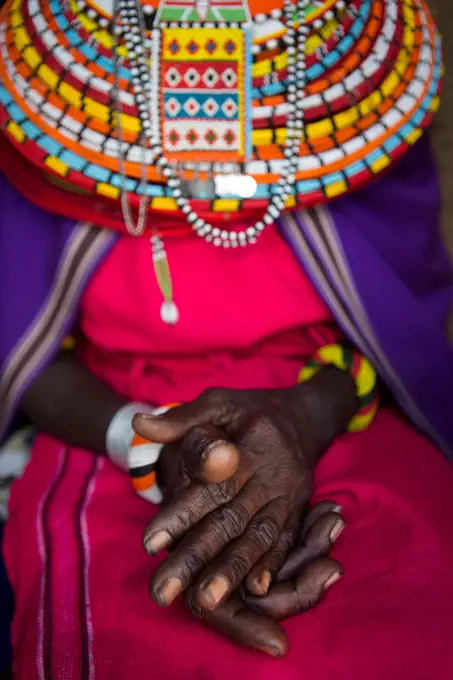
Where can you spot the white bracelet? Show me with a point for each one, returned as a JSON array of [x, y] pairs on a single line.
[[120, 433]]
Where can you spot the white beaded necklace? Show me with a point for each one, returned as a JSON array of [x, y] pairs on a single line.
[[132, 26]]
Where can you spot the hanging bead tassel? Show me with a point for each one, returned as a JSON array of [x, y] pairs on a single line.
[[169, 312]]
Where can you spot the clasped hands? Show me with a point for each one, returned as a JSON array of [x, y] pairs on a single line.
[[244, 548]]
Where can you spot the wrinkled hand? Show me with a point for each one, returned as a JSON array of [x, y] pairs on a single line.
[[302, 582], [244, 464]]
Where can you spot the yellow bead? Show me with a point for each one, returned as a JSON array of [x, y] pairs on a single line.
[[164, 203], [360, 423], [390, 84], [380, 164], [57, 166], [414, 136], [307, 372], [22, 38], [70, 94], [323, 128], [15, 131], [226, 205], [97, 110], [346, 118], [336, 188], [333, 354], [31, 57], [365, 379], [108, 190], [48, 76]]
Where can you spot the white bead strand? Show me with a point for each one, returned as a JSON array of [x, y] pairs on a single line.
[[297, 31]]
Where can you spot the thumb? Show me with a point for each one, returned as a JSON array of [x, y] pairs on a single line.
[[171, 423], [208, 456], [164, 426], [205, 452]]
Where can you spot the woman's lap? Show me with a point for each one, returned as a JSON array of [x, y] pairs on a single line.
[[73, 550]]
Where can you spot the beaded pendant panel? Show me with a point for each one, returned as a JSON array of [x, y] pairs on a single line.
[[373, 74], [204, 113]]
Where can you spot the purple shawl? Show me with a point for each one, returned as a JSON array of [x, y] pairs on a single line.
[[376, 257]]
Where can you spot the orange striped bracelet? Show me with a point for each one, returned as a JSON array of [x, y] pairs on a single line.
[[142, 460]]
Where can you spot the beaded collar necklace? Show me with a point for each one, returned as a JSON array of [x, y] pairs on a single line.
[[129, 22], [200, 110], [219, 105]]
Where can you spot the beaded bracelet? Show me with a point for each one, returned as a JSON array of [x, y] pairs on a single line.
[[142, 460], [360, 370]]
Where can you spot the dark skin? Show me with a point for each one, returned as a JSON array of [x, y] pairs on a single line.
[[67, 401], [242, 479], [300, 585]]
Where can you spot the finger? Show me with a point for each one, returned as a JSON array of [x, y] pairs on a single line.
[[262, 574], [323, 534], [293, 597], [237, 621], [227, 572], [168, 471], [213, 406], [315, 513], [207, 455], [265, 571], [205, 542], [179, 515], [203, 454]]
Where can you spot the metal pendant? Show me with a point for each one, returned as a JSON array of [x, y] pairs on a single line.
[[235, 186], [198, 188]]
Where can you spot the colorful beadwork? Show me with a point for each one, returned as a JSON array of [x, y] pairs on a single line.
[[142, 461], [203, 85], [215, 11], [360, 370], [373, 72]]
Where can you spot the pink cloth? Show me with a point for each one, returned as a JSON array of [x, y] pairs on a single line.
[[73, 551], [244, 319], [73, 541]]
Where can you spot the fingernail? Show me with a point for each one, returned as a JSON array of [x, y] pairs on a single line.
[[216, 590], [158, 542], [337, 529], [333, 579], [337, 508], [150, 416], [220, 451], [169, 590], [272, 651], [264, 582], [220, 463]]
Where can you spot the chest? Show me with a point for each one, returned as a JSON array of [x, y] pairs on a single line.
[[227, 299]]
